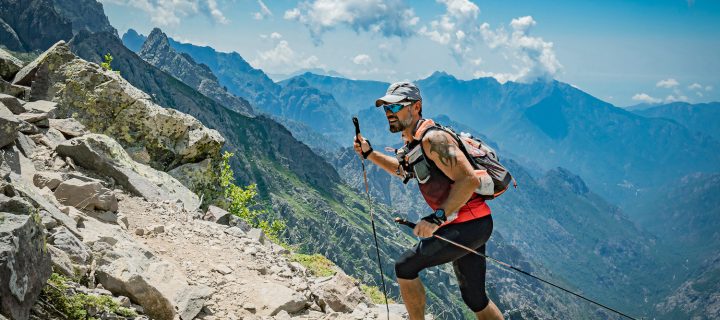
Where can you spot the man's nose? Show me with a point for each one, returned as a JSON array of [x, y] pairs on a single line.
[[388, 113]]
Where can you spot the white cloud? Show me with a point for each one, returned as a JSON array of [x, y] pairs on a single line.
[[644, 97], [170, 12], [272, 36], [708, 88], [264, 11], [667, 83], [283, 59], [672, 98], [695, 86], [362, 59], [699, 94], [535, 58], [387, 18], [456, 28]]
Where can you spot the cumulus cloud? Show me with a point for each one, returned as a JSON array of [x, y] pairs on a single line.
[[673, 98], [695, 86], [386, 18], [534, 58], [283, 59], [362, 59], [644, 97], [272, 36], [170, 12], [667, 83], [456, 28], [264, 11]]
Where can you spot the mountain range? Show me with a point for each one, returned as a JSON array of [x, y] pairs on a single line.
[[558, 224]]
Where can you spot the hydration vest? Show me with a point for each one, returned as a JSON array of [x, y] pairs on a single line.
[[434, 184]]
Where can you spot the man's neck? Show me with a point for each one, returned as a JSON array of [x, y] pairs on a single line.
[[409, 132]]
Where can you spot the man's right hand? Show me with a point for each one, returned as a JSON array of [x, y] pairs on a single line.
[[361, 145]]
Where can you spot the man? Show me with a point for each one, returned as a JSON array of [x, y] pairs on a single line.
[[448, 182]]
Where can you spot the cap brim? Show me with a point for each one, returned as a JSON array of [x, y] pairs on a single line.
[[389, 98]]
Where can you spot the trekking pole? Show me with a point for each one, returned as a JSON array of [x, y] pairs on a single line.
[[508, 266], [372, 217]]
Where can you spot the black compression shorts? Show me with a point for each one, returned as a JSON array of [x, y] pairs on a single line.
[[469, 268]]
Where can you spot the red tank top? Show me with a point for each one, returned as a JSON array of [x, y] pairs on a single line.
[[437, 189]]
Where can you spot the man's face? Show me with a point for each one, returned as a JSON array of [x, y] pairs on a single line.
[[400, 120]]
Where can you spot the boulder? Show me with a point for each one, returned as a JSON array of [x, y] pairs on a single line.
[[50, 179], [26, 145], [25, 263], [57, 54], [32, 195], [16, 205], [9, 65], [106, 157], [78, 252], [271, 298], [14, 104], [38, 119], [128, 268], [217, 215], [28, 128], [257, 235], [340, 294], [9, 126], [17, 91], [106, 103], [48, 108], [54, 138], [61, 262], [86, 195], [69, 127]]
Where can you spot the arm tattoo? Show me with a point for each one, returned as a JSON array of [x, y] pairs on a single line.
[[440, 144]]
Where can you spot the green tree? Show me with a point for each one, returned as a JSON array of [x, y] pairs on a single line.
[[108, 58]]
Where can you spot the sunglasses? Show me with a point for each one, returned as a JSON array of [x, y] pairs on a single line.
[[396, 107]]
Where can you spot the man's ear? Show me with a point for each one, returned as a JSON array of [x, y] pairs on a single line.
[[417, 106]]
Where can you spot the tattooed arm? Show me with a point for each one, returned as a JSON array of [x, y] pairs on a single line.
[[444, 151]]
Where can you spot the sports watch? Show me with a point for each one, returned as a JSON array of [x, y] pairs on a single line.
[[438, 217]]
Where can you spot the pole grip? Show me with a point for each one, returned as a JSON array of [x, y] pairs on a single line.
[[357, 125], [405, 222]]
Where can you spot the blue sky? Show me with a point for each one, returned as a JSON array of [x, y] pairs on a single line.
[[624, 52]]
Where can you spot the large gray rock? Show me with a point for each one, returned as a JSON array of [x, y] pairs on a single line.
[[86, 195], [9, 126], [14, 104], [41, 106], [271, 298], [25, 263], [67, 242], [58, 53], [217, 215], [69, 127], [26, 145], [9, 65], [339, 293], [106, 103], [106, 157], [130, 269], [18, 91]]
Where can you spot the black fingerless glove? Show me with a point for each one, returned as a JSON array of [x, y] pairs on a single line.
[[366, 154], [433, 218]]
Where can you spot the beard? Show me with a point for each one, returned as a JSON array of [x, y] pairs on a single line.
[[399, 125]]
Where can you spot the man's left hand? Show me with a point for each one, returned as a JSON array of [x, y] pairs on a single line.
[[425, 229]]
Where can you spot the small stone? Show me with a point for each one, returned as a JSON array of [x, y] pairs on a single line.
[[140, 231], [158, 228], [222, 269]]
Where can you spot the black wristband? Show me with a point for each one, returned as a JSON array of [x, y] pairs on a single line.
[[366, 154], [432, 218]]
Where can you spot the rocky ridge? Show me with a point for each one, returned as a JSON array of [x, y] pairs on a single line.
[[75, 195]]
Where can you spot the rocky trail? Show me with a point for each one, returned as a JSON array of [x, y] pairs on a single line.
[[95, 189]]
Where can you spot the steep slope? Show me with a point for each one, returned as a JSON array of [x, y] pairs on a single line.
[[87, 15], [157, 51], [701, 117], [32, 25]]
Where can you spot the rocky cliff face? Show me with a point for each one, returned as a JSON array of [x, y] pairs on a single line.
[[157, 51], [32, 25]]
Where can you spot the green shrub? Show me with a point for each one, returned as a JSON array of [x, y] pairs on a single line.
[[375, 294], [242, 203], [106, 63], [317, 264], [75, 306]]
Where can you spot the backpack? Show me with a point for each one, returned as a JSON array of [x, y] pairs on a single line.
[[495, 178]]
